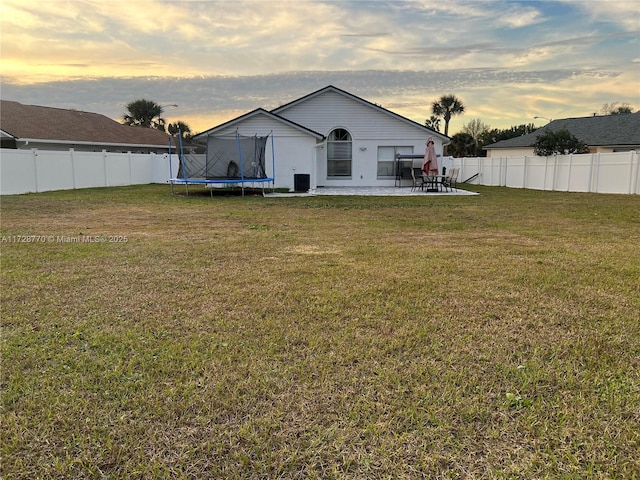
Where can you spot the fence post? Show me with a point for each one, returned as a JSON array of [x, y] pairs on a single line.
[[104, 167], [130, 173], [34, 153], [569, 173], [633, 182], [491, 172], [597, 172], [73, 167], [505, 170], [524, 172]]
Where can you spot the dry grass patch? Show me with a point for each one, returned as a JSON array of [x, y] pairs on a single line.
[[480, 337]]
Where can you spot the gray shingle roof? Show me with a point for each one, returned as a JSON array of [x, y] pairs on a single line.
[[596, 131], [45, 123]]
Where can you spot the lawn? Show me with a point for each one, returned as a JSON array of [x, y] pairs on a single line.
[[149, 335]]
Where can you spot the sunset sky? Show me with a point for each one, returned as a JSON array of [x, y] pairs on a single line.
[[508, 61]]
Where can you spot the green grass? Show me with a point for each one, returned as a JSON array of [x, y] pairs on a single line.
[[495, 336]]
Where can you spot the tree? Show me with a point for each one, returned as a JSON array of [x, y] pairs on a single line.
[[477, 129], [433, 123], [561, 142], [495, 135], [144, 113], [462, 145], [179, 126], [615, 109], [446, 107]]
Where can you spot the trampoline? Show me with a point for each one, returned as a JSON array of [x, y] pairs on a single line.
[[227, 161]]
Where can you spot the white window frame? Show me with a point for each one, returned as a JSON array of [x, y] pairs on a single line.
[[387, 157], [343, 146]]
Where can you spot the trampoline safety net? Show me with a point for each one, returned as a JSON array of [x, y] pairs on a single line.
[[227, 158]]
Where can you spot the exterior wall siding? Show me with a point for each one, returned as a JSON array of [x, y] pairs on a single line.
[[331, 110], [369, 129], [510, 152], [528, 152], [81, 147], [294, 149]]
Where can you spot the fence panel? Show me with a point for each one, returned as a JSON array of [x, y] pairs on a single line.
[[17, 172], [23, 171], [89, 169], [613, 174], [117, 169], [617, 172], [54, 171], [514, 171], [161, 171], [578, 172], [535, 173]]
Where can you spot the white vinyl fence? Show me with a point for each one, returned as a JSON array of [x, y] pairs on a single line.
[[599, 172], [23, 171]]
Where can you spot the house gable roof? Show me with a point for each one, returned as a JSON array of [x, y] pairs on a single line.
[[47, 124], [596, 131], [253, 113], [331, 88]]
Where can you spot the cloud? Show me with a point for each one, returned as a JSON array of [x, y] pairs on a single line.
[[217, 59], [213, 99], [519, 16], [624, 13]]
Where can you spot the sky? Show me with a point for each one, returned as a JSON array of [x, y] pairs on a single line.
[[507, 61]]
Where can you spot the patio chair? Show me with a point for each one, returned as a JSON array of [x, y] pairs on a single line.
[[418, 178], [451, 180]]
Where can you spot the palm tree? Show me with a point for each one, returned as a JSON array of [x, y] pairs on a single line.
[[433, 123], [179, 126], [446, 107], [144, 113]]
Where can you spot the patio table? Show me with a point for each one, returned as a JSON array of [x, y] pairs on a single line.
[[433, 183]]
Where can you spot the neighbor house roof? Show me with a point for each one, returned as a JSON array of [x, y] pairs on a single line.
[[253, 113], [331, 88], [597, 131], [58, 125]]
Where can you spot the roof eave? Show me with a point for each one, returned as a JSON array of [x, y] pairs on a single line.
[[252, 113]]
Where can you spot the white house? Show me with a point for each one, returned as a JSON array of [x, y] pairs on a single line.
[[27, 127], [600, 133], [333, 138]]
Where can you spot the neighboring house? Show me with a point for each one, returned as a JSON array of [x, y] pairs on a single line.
[[602, 134], [334, 137], [46, 128]]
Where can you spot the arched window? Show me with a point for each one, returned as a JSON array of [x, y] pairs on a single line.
[[339, 153]]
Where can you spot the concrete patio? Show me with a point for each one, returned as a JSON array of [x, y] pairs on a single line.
[[371, 191]]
